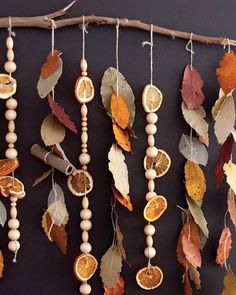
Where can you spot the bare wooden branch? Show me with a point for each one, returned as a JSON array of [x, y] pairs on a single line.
[[45, 23]]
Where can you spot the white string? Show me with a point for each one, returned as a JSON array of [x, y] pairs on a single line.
[[189, 48], [151, 53], [53, 34], [11, 33], [229, 44], [84, 30], [117, 54]]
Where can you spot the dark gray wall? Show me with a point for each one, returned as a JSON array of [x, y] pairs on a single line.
[[41, 268]]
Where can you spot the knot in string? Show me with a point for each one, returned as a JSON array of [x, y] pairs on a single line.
[[11, 33], [189, 48], [84, 31], [151, 44]]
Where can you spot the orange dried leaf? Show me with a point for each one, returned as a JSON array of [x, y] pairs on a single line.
[[120, 110], [124, 200], [1, 264], [117, 289], [226, 73], [187, 286], [224, 246], [191, 251], [122, 138], [50, 65]]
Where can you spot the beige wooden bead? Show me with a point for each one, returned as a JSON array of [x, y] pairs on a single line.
[[83, 65], [13, 212], [84, 167], [150, 252], [11, 153], [11, 137], [11, 103], [84, 145], [84, 129], [84, 159], [84, 74], [149, 241], [86, 225], [9, 42], [85, 236], [84, 137], [151, 140], [150, 195], [84, 124], [85, 289], [149, 230], [152, 118], [86, 214], [151, 185], [14, 234], [13, 199], [11, 126], [84, 119], [13, 223], [11, 145], [84, 151], [84, 110], [151, 129], [85, 202], [13, 204], [150, 174], [151, 151], [85, 247], [10, 67], [13, 246], [10, 55], [10, 115]]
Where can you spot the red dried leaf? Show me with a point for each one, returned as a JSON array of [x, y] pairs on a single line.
[[124, 200], [224, 157], [59, 112], [224, 246], [226, 73], [50, 65], [187, 286], [192, 88], [117, 289]]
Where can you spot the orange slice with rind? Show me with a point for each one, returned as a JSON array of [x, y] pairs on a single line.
[[85, 266], [149, 278], [84, 90], [11, 186], [7, 166], [161, 163], [80, 182], [151, 98], [155, 208], [7, 86]]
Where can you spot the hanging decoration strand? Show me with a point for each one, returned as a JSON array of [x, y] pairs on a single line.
[[189, 48], [151, 53], [117, 55], [83, 27]]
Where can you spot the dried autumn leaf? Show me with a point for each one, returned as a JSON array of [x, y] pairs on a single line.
[[52, 131], [1, 264], [187, 286], [230, 172], [229, 283], [192, 88], [231, 201], [224, 246], [191, 252], [226, 73], [224, 157], [58, 150], [51, 63], [119, 110], [3, 214], [195, 181], [117, 289], [224, 122], [124, 200], [204, 139], [59, 112], [195, 119], [119, 241], [216, 108], [194, 276], [122, 137], [42, 177]]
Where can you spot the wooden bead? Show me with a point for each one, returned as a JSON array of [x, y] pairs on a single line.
[[150, 252], [151, 185], [151, 140], [13, 212], [149, 241], [152, 118], [84, 151], [151, 151], [11, 126], [85, 247], [13, 223], [150, 174], [11, 153], [10, 67], [84, 119], [83, 65], [11, 145], [84, 110], [84, 129], [84, 167], [151, 129], [150, 195], [13, 199], [84, 137], [85, 202], [11, 137], [86, 225], [84, 145], [10, 115], [13, 246], [11, 103], [84, 124], [85, 289], [85, 236], [9, 42], [14, 234], [149, 230], [13, 204], [85, 214], [10, 55], [84, 159]]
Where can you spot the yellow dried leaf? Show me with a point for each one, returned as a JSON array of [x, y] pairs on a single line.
[[120, 110], [230, 172], [195, 181], [122, 138]]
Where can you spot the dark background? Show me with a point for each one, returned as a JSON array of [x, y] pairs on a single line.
[[41, 269]]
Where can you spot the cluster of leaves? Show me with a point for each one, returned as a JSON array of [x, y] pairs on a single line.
[[194, 232]]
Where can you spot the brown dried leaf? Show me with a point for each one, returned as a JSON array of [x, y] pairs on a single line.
[[52, 131], [119, 241], [117, 289], [122, 137], [195, 276], [229, 283], [42, 177], [224, 246], [49, 67], [120, 110], [1, 264], [204, 139], [232, 206], [187, 286], [124, 200]]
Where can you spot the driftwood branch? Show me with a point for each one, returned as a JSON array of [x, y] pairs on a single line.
[[45, 23]]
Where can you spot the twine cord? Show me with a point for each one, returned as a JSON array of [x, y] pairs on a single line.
[[117, 55], [189, 48]]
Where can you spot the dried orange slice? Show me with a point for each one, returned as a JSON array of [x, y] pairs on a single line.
[[84, 90], [7, 86], [151, 98], [7, 166], [85, 266], [80, 182], [161, 163], [149, 278], [155, 208], [11, 186]]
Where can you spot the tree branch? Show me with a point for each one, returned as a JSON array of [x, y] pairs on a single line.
[[44, 23]]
